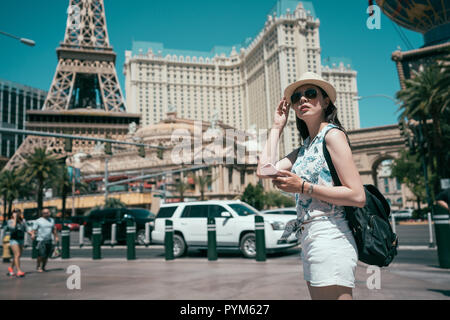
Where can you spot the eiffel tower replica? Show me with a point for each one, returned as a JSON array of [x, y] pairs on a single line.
[[85, 98]]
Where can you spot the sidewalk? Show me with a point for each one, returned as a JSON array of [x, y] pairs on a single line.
[[200, 279]]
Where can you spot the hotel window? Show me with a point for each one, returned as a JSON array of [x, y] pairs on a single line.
[[399, 186]]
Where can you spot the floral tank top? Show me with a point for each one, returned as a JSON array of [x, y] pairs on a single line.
[[312, 167]]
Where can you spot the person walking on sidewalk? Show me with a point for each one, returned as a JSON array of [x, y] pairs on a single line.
[[17, 228], [329, 253], [46, 233]]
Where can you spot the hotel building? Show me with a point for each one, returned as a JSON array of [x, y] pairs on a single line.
[[15, 100], [244, 83]]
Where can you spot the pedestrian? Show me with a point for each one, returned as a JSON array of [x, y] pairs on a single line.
[[329, 252], [44, 230], [443, 198], [17, 227]]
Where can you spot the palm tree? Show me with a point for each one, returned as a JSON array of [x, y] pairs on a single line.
[[425, 98], [41, 167], [181, 187], [12, 186], [203, 182], [61, 182]]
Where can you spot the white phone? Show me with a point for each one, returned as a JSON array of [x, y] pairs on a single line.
[[269, 170]]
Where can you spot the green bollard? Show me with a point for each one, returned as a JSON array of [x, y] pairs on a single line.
[[441, 220], [65, 242], [34, 251], [212, 242], [168, 240], [131, 240], [96, 241], [260, 239]]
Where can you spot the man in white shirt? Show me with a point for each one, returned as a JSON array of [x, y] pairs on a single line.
[[45, 228]]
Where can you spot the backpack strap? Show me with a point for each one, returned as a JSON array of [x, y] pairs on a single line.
[[337, 182], [329, 161]]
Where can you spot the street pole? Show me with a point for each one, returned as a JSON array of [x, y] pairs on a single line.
[[424, 167], [164, 189], [106, 179], [73, 191]]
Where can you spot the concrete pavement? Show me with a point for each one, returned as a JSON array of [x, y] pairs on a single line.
[[196, 278]]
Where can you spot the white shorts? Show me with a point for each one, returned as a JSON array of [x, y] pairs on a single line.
[[329, 252]]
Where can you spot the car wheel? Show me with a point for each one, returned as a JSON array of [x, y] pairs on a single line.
[[179, 246], [248, 245], [140, 237]]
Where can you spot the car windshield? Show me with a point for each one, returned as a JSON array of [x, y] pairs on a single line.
[[288, 212], [141, 213], [243, 210]]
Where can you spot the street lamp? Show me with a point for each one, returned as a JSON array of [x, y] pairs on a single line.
[[28, 42]]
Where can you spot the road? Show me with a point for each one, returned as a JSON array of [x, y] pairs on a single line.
[[413, 248]]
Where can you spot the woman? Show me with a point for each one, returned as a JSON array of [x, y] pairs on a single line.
[[329, 252], [17, 228]]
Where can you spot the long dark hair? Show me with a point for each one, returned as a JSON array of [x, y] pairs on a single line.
[[18, 215], [330, 117]]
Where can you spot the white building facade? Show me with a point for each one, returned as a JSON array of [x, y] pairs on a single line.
[[241, 85]]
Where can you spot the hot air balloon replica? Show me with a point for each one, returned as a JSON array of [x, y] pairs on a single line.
[[429, 17]]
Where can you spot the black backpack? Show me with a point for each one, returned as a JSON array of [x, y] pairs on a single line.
[[377, 243]]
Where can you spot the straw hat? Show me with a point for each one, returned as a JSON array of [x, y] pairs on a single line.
[[314, 79]]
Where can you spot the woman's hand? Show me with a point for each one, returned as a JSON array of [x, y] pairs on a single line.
[[281, 114], [289, 182]]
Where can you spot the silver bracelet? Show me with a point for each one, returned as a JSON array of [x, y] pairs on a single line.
[[310, 189]]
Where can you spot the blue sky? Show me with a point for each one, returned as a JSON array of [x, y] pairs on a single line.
[[199, 25]]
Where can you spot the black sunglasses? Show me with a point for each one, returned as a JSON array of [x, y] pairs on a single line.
[[309, 94]]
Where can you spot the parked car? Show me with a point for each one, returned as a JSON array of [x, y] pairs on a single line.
[[108, 216], [290, 211], [403, 213], [73, 226], [235, 226]]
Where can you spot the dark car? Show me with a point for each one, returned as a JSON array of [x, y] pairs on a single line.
[[108, 216]]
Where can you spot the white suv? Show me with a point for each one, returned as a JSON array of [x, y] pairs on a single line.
[[235, 226]]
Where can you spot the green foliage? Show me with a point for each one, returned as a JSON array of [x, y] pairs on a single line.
[[426, 97], [258, 198], [107, 148], [203, 182], [160, 152], [142, 151], [181, 187], [254, 196], [12, 186], [114, 203], [278, 200], [40, 167], [408, 169]]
